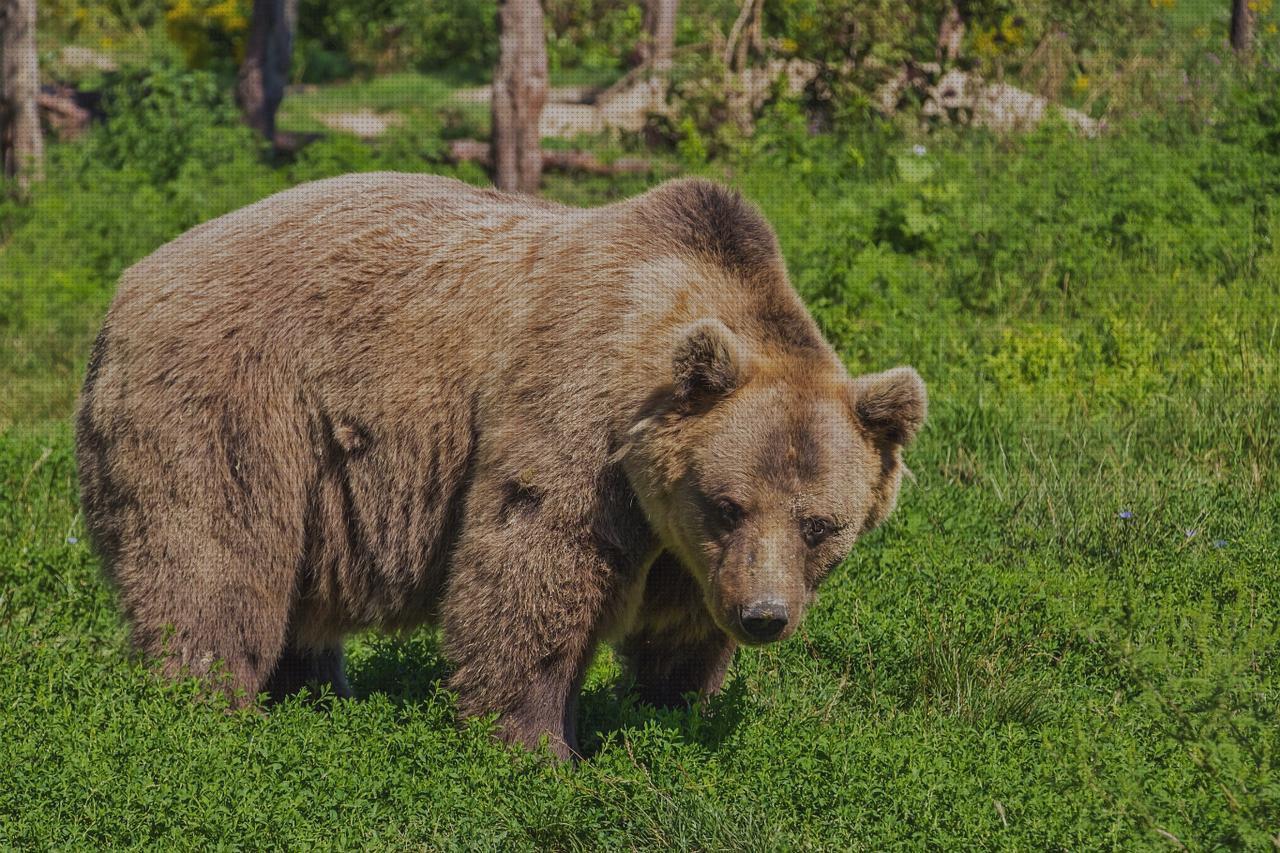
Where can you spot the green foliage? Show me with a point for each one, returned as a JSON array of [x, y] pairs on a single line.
[[838, 31], [337, 38], [993, 227], [73, 19], [211, 33], [172, 154], [164, 120], [700, 120], [1113, 58], [1007, 663], [592, 35]]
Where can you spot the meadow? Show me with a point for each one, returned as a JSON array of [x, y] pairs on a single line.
[[1066, 637]]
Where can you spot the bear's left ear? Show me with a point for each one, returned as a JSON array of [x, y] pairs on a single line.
[[891, 405], [708, 362]]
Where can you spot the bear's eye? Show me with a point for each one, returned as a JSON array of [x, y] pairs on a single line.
[[817, 529], [729, 513]]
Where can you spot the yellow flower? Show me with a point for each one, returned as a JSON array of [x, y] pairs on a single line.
[[1272, 29], [1081, 83], [179, 10], [1011, 32], [229, 15], [985, 43]]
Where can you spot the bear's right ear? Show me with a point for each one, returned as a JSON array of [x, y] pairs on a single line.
[[708, 362]]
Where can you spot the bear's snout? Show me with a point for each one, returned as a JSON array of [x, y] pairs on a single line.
[[764, 620]]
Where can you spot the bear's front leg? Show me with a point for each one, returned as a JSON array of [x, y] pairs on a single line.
[[520, 618], [547, 706], [675, 648]]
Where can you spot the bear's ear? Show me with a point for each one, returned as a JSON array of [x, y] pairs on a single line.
[[708, 362], [891, 405]]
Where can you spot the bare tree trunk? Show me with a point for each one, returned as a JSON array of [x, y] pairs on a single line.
[[265, 70], [21, 143], [951, 34], [658, 46], [746, 39], [519, 92], [746, 36], [1242, 20]]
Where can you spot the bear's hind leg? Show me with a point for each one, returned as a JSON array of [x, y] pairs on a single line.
[[311, 668], [232, 636], [205, 512], [208, 586]]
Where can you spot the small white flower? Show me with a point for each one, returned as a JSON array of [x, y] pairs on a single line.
[[71, 540], [919, 150]]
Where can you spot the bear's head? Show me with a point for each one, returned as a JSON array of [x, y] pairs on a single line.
[[760, 472]]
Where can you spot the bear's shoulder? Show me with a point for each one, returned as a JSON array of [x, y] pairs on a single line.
[[710, 220]]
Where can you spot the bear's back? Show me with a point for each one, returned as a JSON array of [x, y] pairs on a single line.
[[285, 239], [372, 263]]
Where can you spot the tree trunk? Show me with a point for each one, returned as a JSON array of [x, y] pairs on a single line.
[[265, 70], [1242, 19], [951, 34], [746, 39], [519, 92], [658, 46], [746, 36], [21, 144]]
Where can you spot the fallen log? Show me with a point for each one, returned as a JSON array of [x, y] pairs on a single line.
[[999, 106], [966, 98], [476, 151], [66, 110], [291, 142]]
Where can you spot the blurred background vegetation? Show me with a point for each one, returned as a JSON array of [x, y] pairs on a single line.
[[389, 84]]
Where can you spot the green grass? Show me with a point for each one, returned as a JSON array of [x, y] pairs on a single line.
[[1008, 663], [415, 98]]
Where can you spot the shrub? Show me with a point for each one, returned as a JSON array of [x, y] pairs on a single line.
[[159, 119], [74, 18], [211, 33], [594, 35], [337, 38]]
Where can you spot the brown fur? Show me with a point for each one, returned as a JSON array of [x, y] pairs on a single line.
[[386, 400]]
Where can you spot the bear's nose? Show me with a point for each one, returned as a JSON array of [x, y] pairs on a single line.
[[765, 619]]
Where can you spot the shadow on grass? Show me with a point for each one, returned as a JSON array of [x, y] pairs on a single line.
[[407, 670], [610, 712], [412, 670]]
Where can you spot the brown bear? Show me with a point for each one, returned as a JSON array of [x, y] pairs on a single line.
[[387, 400]]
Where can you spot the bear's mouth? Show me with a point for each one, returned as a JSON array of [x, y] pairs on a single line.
[[707, 573], [735, 620]]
